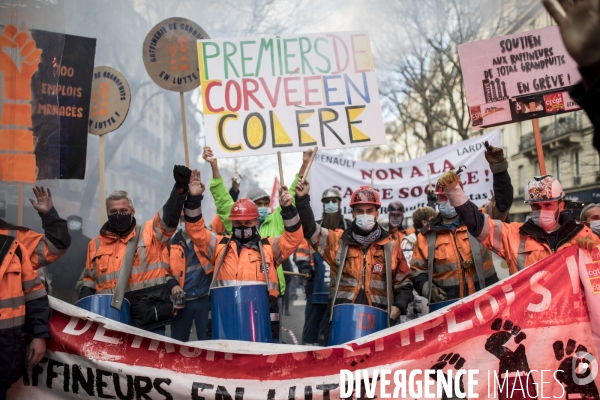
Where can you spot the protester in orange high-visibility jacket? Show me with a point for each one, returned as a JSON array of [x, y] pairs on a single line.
[[396, 218], [457, 270], [24, 310], [314, 313], [149, 285], [189, 267], [521, 244], [364, 279], [47, 248], [242, 263]]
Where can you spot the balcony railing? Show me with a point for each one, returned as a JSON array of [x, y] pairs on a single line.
[[560, 128]]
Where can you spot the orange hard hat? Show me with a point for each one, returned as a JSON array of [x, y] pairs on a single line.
[[243, 210], [365, 195]]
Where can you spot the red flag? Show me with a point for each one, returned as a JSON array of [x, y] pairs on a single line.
[[274, 195]]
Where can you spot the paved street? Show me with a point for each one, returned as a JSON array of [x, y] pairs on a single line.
[[295, 322]]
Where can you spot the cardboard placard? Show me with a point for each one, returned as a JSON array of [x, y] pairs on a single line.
[[170, 55], [111, 98], [287, 93], [504, 75]]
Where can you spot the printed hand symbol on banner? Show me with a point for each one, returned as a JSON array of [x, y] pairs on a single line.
[[17, 78], [509, 360], [451, 361], [568, 357]]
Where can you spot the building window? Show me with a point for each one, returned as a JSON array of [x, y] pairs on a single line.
[[556, 162], [521, 188], [576, 163]]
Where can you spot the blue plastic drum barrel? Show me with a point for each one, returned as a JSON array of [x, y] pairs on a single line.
[[441, 304], [352, 321], [241, 313], [100, 304]]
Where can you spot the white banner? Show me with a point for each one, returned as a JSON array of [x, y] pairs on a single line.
[[289, 93], [407, 181]]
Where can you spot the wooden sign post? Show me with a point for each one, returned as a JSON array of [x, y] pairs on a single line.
[[280, 169], [538, 140]]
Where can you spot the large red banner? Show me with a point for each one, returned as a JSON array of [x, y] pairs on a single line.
[[524, 337]]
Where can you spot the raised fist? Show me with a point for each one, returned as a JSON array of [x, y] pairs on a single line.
[[19, 76]]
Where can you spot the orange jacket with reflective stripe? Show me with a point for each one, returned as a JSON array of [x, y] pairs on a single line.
[[24, 308], [453, 258], [361, 268], [150, 263], [519, 244], [217, 225], [304, 253], [519, 249], [19, 284], [40, 250], [244, 267], [398, 235], [178, 262]]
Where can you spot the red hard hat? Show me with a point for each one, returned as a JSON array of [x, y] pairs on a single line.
[[243, 210], [365, 195]]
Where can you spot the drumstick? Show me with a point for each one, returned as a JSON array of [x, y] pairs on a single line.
[[296, 274], [429, 179], [312, 157], [280, 169]]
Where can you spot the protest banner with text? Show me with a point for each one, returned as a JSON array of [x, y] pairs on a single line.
[[406, 181], [504, 75], [528, 336], [45, 104], [289, 93]]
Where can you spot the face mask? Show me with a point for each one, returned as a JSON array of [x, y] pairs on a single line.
[[545, 219], [244, 233], [396, 221], [262, 213], [331, 207], [447, 210], [365, 222], [595, 226], [120, 222], [74, 225]]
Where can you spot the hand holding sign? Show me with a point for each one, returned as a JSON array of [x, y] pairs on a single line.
[[208, 156], [302, 188], [579, 28], [285, 198]]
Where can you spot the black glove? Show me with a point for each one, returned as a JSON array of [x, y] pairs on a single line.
[[182, 174], [431, 198], [311, 275]]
